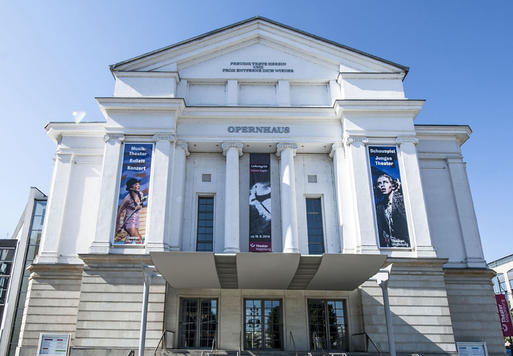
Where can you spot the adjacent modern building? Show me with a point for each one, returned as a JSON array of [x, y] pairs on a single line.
[[16, 254], [279, 185], [503, 280]]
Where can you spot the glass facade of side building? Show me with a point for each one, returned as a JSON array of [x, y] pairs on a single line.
[[278, 184]]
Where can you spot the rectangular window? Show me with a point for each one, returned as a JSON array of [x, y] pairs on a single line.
[[327, 324], [314, 226], [205, 233], [198, 323], [262, 324]]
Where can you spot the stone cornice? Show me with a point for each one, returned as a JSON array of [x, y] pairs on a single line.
[[55, 130], [146, 74], [460, 133], [163, 137], [116, 259], [140, 104]]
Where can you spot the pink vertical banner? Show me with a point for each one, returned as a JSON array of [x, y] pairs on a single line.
[[504, 315]]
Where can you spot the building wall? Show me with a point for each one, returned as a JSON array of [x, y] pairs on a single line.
[[109, 313], [51, 306], [419, 306], [473, 309]]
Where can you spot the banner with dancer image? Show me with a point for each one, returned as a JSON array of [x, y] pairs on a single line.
[[134, 186], [388, 197], [260, 202]]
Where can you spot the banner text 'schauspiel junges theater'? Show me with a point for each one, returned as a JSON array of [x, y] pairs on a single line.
[[278, 184]]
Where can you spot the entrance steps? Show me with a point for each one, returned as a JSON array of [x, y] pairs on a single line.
[[182, 352]]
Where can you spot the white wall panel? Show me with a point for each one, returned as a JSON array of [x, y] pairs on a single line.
[[206, 94], [441, 209], [309, 95]]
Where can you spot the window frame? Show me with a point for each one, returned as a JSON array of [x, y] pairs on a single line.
[[323, 222], [196, 219]]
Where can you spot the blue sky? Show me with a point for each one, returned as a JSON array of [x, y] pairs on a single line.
[[54, 58]]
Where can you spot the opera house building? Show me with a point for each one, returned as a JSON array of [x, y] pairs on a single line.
[[259, 188]]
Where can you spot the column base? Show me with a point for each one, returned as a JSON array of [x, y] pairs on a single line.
[[45, 257], [231, 250]]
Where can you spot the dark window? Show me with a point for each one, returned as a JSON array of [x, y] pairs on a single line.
[[262, 324], [327, 324], [198, 322], [314, 226], [205, 233]]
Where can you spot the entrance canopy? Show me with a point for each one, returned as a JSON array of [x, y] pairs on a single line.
[[266, 270]]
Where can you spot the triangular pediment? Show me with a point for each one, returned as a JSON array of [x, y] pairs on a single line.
[[258, 48]]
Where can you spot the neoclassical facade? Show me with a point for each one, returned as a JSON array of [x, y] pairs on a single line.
[[279, 186]]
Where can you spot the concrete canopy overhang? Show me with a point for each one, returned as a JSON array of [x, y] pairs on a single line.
[[266, 270]]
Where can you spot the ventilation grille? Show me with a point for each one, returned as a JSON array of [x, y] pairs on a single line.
[[312, 178], [206, 178]]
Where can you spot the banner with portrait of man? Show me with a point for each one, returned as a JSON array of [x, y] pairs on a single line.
[[388, 197]]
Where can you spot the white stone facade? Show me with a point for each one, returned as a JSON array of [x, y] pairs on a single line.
[[208, 103]]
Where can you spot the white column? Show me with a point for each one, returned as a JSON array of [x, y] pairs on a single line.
[[105, 224], [344, 199], [232, 151], [56, 208], [160, 188], [148, 272], [286, 152], [177, 197], [363, 200], [414, 197], [466, 214]]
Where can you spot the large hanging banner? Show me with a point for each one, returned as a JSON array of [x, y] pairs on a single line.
[[133, 194], [260, 202], [388, 197]]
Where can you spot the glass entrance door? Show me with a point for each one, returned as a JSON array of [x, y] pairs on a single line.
[[262, 324], [327, 322], [198, 322]]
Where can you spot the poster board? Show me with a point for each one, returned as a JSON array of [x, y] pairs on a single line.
[[477, 348], [53, 344]]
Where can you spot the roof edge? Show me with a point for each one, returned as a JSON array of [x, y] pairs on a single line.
[[406, 69]]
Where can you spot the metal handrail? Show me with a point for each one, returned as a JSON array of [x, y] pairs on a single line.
[[293, 341], [367, 339], [160, 341]]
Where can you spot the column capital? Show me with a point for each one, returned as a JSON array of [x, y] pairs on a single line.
[[334, 147], [163, 137], [114, 137], [64, 157], [352, 139], [184, 146], [285, 146], [406, 139], [227, 145]]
